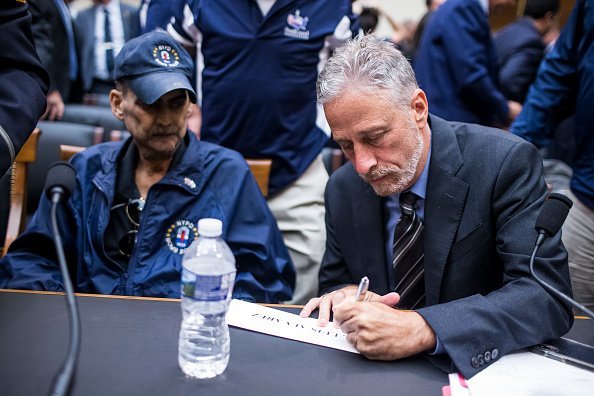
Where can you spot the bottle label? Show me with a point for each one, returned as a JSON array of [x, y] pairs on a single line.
[[207, 287]]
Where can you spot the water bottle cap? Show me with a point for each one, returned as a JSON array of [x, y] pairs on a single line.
[[210, 227]]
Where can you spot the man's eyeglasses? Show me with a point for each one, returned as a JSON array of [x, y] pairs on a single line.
[[133, 210]]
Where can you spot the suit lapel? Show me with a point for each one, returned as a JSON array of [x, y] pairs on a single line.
[[368, 220], [444, 204]]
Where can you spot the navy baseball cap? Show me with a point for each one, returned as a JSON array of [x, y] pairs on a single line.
[[154, 64]]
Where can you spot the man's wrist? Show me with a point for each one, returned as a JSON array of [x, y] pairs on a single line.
[[427, 338]]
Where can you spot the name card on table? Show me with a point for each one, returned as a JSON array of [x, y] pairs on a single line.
[[286, 325]]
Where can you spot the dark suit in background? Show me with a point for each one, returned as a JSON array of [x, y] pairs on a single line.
[[85, 32], [456, 65], [520, 49], [23, 81], [51, 41], [484, 191]]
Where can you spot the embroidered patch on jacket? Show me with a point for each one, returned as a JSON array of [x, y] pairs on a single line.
[[297, 26], [180, 235], [165, 55], [190, 183]]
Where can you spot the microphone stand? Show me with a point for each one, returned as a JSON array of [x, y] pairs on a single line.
[[62, 383], [539, 241]]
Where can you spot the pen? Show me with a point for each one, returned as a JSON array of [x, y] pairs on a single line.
[[553, 353], [362, 289]]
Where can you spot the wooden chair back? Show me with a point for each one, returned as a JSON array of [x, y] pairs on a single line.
[[261, 170], [66, 151], [17, 217]]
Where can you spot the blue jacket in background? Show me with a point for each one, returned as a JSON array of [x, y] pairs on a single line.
[[520, 50], [456, 65], [564, 86], [209, 181]]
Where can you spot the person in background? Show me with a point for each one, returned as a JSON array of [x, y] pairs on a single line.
[[456, 65], [439, 216], [564, 86], [101, 31], [368, 19], [432, 6], [520, 47], [136, 204], [23, 81], [257, 66], [55, 42], [402, 33]]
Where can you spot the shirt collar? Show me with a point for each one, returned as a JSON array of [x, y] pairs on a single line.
[[420, 187], [113, 6]]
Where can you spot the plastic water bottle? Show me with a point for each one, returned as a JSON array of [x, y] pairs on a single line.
[[208, 276]]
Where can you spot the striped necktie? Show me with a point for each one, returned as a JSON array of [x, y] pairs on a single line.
[[408, 255]]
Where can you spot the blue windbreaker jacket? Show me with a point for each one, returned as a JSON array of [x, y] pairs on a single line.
[[209, 181]]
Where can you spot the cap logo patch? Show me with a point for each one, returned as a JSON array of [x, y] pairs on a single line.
[[180, 235], [166, 56]]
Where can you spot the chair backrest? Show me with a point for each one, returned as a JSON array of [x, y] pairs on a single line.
[[66, 151], [18, 190], [260, 167], [333, 159], [100, 100], [261, 170], [93, 115], [53, 135], [117, 135]]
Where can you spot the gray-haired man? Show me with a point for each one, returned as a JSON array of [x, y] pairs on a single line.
[[440, 212]]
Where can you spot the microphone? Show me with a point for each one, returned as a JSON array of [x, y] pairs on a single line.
[[548, 223], [59, 184], [551, 216], [60, 181]]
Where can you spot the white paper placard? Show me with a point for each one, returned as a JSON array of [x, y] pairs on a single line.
[[286, 325]]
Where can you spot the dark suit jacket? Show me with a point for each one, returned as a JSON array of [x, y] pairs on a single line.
[[484, 192], [456, 65], [51, 41], [85, 32], [23, 81], [519, 49]]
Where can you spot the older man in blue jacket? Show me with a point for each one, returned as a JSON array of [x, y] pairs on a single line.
[[137, 203]]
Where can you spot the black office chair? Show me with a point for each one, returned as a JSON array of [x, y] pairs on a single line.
[[93, 115], [333, 159], [53, 134]]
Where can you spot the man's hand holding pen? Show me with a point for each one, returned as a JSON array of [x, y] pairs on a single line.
[[371, 323]]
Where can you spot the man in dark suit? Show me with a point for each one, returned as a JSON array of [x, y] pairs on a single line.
[[456, 64], [99, 42], [441, 212], [23, 81], [54, 39], [520, 47]]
